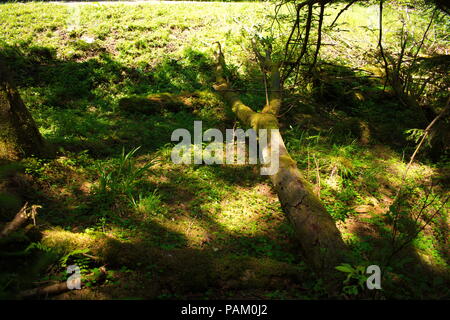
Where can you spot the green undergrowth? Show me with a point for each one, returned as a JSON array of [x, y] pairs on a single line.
[[113, 197]]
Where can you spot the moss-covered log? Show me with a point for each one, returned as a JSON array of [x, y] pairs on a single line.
[[19, 135], [157, 103], [154, 104], [320, 240]]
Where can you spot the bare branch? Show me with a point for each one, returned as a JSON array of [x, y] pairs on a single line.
[[341, 12]]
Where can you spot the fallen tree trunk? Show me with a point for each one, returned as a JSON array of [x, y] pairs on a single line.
[[61, 287], [320, 240], [45, 291], [154, 103]]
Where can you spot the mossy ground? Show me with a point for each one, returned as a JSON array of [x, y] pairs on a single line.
[[179, 231]]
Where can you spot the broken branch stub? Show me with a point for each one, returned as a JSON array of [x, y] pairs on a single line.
[[27, 212]]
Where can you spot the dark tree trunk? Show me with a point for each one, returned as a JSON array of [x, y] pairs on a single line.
[[19, 135]]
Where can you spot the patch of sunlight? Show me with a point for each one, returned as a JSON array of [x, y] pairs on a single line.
[[66, 241], [415, 172], [49, 131], [334, 182], [435, 262], [243, 213], [425, 247], [189, 227], [371, 200], [348, 237]]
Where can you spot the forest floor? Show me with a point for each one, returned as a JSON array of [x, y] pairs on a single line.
[[205, 231]]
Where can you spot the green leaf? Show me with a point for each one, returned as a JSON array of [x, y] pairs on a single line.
[[345, 268]]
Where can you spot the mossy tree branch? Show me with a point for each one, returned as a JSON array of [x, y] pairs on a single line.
[[320, 240]]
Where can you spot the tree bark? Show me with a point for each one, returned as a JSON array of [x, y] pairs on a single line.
[[19, 135], [61, 287], [19, 219], [320, 240]]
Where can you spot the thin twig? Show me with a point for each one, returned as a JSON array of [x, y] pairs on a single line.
[[319, 35], [341, 12], [317, 175]]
